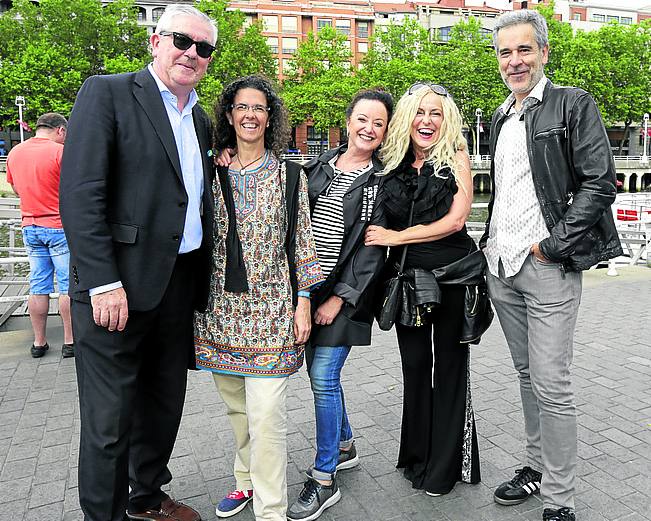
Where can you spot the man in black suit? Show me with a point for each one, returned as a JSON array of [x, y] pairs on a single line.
[[136, 204]]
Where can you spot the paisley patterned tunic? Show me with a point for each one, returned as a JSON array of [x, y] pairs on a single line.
[[252, 333]]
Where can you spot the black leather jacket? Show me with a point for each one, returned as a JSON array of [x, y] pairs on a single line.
[[573, 174], [352, 279]]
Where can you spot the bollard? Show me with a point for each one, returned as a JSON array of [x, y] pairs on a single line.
[[612, 270]]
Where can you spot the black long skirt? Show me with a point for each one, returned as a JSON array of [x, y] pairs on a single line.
[[438, 442]]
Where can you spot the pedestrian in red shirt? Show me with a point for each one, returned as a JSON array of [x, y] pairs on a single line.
[[33, 170]]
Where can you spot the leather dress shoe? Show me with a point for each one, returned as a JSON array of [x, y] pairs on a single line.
[[169, 510]]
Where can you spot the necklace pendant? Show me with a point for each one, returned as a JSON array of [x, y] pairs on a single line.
[[243, 171]]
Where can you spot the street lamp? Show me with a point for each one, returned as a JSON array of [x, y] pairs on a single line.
[[644, 157], [20, 103], [478, 113]]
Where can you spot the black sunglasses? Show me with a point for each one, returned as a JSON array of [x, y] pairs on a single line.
[[183, 42], [436, 89]]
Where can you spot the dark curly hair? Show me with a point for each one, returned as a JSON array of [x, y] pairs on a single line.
[[374, 94], [277, 134]]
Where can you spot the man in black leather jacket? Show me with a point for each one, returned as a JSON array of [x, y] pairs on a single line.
[[549, 218]]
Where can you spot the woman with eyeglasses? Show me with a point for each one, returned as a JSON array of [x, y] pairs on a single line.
[[428, 195], [343, 190], [258, 319]]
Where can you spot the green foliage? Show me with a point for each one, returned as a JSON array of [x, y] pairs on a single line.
[[240, 51], [470, 72], [321, 83], [53, 47]]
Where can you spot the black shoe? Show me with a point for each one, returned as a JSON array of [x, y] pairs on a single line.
[[525, 483], [39, 351], [562, 514], [313, 500], [347, 458], [67, 350]]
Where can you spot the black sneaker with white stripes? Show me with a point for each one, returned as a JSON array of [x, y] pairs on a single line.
[[525, 483]]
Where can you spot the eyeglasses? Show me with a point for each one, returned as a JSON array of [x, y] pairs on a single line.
[[183, 42], [436, 89], [256, 109]]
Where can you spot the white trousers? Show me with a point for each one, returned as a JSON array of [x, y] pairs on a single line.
[[258, 415]]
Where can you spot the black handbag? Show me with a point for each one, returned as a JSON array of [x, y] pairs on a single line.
[[394, 292], [477, 313]]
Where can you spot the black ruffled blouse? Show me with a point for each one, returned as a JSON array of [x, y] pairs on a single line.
[[432, 194]]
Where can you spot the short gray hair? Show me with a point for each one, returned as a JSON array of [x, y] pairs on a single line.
[[523, 16], [166, 20]]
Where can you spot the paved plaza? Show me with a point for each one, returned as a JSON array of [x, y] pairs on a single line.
[[39, 426]]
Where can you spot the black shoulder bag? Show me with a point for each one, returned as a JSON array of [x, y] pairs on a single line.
[[393, 290]]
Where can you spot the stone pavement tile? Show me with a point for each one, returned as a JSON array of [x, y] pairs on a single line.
[[216, 468], [53, 512], [183, 466], [27, 421], [61, 409], [499, 457], [608, 485], [377, 465], [507, 442], [641, 483], [16, 489], [64, 421], [18, 469], [605, 505], [188, 486], [47, 493], [71, 501], [50, 472], [12, 405], [74, 515], [15, 393], [54, 453], [39, 395], [586, 451], [13, 510], [614, 467], [59, 437], [21, 450]]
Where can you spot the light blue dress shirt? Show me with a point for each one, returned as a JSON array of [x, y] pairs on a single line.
[[189, 151], [187, 145]]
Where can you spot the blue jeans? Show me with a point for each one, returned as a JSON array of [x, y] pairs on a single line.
[[332, 427], [48, 253]]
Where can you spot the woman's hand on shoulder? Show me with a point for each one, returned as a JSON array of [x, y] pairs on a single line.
[[327, 312], [380, 236], [225, 157], [302, 321]]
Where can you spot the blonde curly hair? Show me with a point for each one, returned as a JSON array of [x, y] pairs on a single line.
[[398, 138]]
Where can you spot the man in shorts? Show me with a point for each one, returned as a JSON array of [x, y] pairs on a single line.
[[33, 170]]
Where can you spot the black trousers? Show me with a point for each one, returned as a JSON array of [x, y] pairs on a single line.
[[434, 403], [131, 393]]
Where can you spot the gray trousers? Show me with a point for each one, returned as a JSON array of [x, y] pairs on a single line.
[[537, 309]]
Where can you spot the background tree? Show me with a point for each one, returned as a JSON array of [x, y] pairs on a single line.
[[399, 56], [470, 72], [560, 38], [240, 50], [321, 82], [49, 49]]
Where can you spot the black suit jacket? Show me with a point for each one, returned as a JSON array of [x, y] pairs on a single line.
[[122, 197]]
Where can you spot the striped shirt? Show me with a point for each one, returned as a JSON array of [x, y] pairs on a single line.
[[328, 216]]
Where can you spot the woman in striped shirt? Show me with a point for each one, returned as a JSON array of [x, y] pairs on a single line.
[[343, 190]]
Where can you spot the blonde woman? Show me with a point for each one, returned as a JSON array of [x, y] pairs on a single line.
[[426, 162]]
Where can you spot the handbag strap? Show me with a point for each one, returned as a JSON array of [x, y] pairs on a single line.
[[404, 249]]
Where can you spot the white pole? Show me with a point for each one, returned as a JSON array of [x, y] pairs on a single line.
[[645, 157], [478, 113], [20, 103]]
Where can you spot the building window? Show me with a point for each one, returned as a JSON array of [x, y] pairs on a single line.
[[346, 44], [314, 134], [322, 22], [626, 20], [362, 47], [611, 18], [157, 13], [598, 18], [290, 24], [272, 43], [577, 17], [444, 34], [362, 29], [290, 45], [249, 20], [343, 26], [270, 23], [142, 14]]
